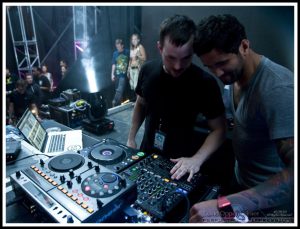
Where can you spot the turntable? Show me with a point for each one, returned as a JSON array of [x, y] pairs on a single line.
[[58, 170], [113, 155], [71, 188]]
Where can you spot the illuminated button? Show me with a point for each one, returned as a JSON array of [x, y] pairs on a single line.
[[101, 193], [92, 192], [135, 157], [54, 183], [74, 198], [85, 183], [87, 188], [75, 190], [79, 202], [86, 199], [69, 194], [84, 206], [166, 180], [36, 169], [43, 174], [64, 191], [116, 187], [32, 166], [60, 188], [80, 194], [141, 154], [50, 180], [90, 210], [110, 191], [39, 172], [105, 186], [46, 177], [155, 156]]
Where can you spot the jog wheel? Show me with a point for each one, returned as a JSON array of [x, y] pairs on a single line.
[[107, 154], [65, 162]]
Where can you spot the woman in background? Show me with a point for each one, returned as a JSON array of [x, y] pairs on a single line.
[[137, 58]]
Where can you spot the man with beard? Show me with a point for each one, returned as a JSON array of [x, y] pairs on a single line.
[[263, 134]]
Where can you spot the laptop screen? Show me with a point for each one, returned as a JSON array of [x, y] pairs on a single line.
[[32, 129]]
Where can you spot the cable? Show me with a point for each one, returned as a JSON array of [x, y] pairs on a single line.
[[12, 162]]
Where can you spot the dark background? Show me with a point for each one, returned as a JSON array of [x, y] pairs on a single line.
[[270, 30]]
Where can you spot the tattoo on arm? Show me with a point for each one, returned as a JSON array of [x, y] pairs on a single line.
[[277, 190], [285, 149]]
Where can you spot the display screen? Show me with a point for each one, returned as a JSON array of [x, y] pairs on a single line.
[[32, 130]]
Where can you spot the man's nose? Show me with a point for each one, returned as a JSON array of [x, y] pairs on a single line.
[[218, 72], [178, 65]]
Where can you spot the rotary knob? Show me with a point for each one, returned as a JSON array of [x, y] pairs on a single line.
[[69, 184], [71, 173], [62, 178]]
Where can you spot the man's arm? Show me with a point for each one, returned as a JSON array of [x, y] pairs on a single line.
[[212, 142], [274, 192], [113, 72], [137, 120], [11, 113]]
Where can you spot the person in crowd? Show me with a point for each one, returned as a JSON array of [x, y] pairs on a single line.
[[45, 86], [48, 75], [119, 68], [63, 63], [64, 70], [262, 95], [137, 58], [33, 90], [19, 102], [163, 89], [11, 80]]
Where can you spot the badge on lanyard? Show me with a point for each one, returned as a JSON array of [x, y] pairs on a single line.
[[159, 139]]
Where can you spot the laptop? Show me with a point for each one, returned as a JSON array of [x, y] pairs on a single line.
[[48, 142]]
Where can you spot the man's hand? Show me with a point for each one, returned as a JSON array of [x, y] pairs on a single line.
[[205, 212], [113, 77], [184, 165]]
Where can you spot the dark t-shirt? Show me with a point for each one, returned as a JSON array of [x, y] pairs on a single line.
[[175, 104], [34, 92], [45, 94], [21, 103]]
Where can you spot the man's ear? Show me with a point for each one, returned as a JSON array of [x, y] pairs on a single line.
[[244, 47], [159, 47]]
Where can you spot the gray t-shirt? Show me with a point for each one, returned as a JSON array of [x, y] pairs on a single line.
[[265, 113]]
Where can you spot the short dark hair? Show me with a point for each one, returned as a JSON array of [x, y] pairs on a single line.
[[21, 83], [221, 32], [119, 41], [179, 28]]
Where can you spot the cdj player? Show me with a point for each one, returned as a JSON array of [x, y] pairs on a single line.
[[107, 182], [72, 189]]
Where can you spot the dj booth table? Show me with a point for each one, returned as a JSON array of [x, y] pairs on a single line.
[[16, 212]]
